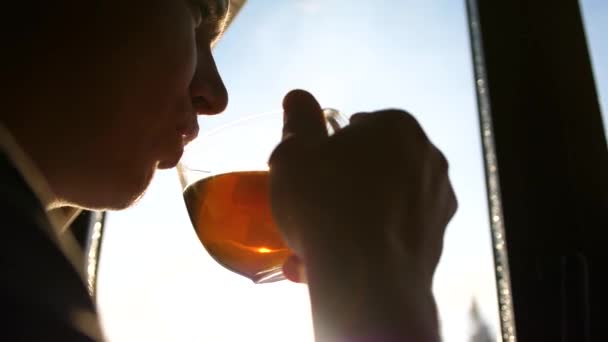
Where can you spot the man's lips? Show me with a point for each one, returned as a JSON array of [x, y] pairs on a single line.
[[172, 160], [188, 131]]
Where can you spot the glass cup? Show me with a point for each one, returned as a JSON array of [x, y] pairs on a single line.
[[224, 175]]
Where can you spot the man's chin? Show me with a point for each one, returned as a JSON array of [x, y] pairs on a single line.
[[126, 199], [125, 202], [117, 196]]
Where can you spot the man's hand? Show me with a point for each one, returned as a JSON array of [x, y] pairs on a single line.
[[365, 210]]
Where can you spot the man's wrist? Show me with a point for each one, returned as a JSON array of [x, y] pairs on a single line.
[[359, 297]]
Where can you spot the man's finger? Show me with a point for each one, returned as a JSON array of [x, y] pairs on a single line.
[[303, 117], [294, 270]]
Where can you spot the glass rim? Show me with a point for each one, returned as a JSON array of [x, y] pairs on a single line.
[[339, 120], [235, 122], [334, 118]]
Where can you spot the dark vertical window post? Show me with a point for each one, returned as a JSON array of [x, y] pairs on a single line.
[[547, 153]]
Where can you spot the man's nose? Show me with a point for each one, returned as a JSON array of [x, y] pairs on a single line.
[[209, 95]]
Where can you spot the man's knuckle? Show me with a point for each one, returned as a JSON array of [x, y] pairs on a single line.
[[398, 117], [453, 201], [442, 161], [407, 125], [359, 117]]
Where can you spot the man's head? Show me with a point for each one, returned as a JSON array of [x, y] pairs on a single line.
[[104, 92]]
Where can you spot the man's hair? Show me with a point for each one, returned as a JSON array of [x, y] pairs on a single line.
[[216, 13]]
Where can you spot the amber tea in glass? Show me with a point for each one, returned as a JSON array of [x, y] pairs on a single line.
[[224, 174]]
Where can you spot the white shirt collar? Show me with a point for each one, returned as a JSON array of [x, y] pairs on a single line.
[[59, 218]]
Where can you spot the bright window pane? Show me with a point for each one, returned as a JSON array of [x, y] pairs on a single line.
[[156, 282], [595, 18]]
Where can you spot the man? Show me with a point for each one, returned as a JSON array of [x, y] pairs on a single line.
[[137, 73]]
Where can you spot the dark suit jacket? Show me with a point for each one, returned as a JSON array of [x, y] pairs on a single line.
[[42, 297]]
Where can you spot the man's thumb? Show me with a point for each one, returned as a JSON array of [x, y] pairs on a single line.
[[303, 117], [303, 126]]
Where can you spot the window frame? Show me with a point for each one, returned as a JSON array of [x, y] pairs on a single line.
[[547, 152]]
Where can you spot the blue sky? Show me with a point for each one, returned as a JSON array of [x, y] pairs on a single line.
[[406, 54], [595, 14]]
